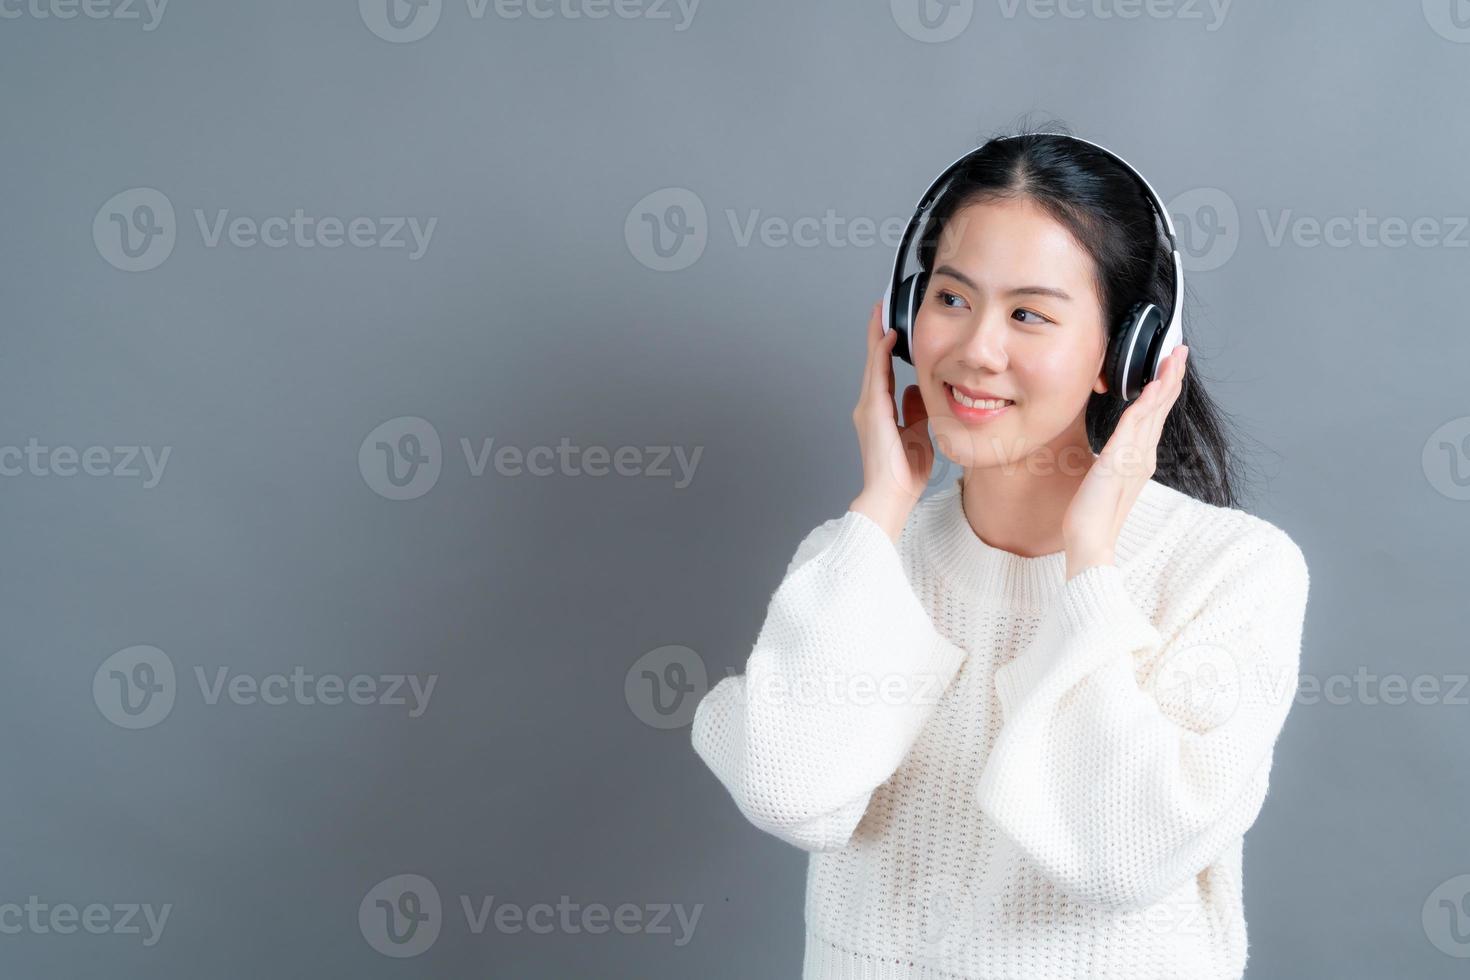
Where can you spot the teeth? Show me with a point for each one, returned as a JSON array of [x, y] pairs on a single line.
[[985, 403]]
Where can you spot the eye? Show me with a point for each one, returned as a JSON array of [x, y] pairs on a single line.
[[1039, 317], [944, 294]]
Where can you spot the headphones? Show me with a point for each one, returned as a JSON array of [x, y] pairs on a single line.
[[1136, 350]]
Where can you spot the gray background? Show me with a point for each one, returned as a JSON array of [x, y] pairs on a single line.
[[539, 768]]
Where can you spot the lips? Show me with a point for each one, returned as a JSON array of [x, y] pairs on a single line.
[[972, 414], [978, 393]]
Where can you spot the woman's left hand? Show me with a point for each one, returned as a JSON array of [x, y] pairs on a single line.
[[1099, 508]]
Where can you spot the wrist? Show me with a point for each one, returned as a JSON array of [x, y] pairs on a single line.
[[887, 514], [1079, 562]]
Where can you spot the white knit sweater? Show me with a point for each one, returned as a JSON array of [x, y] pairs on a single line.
[[1002, 774]]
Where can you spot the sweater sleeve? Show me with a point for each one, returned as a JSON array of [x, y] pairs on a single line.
[[1121, 792], [844, 673]]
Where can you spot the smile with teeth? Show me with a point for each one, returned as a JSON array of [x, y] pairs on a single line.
[[982, 403]]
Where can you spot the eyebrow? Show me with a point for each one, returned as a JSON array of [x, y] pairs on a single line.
[[952, 272]]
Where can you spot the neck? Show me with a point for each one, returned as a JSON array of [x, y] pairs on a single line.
[[1018, 506]]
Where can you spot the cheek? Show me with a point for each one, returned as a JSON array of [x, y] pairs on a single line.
[[926, 348], [922, 340], [1043, 373], [1055, 368]]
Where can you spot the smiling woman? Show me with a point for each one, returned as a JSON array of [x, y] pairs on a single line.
[[1035, 253], [1051, 691]]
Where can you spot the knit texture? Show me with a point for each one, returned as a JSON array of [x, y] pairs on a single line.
[[1003, 774]]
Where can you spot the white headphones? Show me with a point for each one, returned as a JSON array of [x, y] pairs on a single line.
[[1139, 346]]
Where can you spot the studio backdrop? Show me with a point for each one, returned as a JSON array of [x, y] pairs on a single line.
[[407, 409]]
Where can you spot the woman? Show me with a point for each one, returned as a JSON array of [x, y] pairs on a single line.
[[1023, 724]]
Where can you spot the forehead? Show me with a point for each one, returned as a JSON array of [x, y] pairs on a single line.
[[1013, 242]]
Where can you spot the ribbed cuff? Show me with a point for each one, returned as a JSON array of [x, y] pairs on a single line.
[[1094, 617], [1096, 597], [859, 546], [863, 557]]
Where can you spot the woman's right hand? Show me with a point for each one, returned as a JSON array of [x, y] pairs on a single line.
[[897, 459]]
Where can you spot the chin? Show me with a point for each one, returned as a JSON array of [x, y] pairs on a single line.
[[969, 446]]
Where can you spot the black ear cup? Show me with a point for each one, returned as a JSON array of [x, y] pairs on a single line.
[[1133, 354], [1115, 355], [905, 308]]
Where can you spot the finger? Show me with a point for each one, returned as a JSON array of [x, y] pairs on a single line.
[[883, 372], [1169, 397], [1136, 427], [1160, 393], [875, 381], [1153, 425], [875, 334], [915, 412], [1135, 411], [1163, 394], [884, 362], [1169, 384], [1175, 385], [1152, 412]]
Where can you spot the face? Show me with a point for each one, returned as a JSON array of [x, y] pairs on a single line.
[[1010, 311]]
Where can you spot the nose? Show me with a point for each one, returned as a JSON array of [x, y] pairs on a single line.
[[984, 349]]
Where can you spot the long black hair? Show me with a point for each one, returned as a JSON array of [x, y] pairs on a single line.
[[1109, 214]]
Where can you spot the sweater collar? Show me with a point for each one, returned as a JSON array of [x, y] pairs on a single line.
[[964, 560]]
